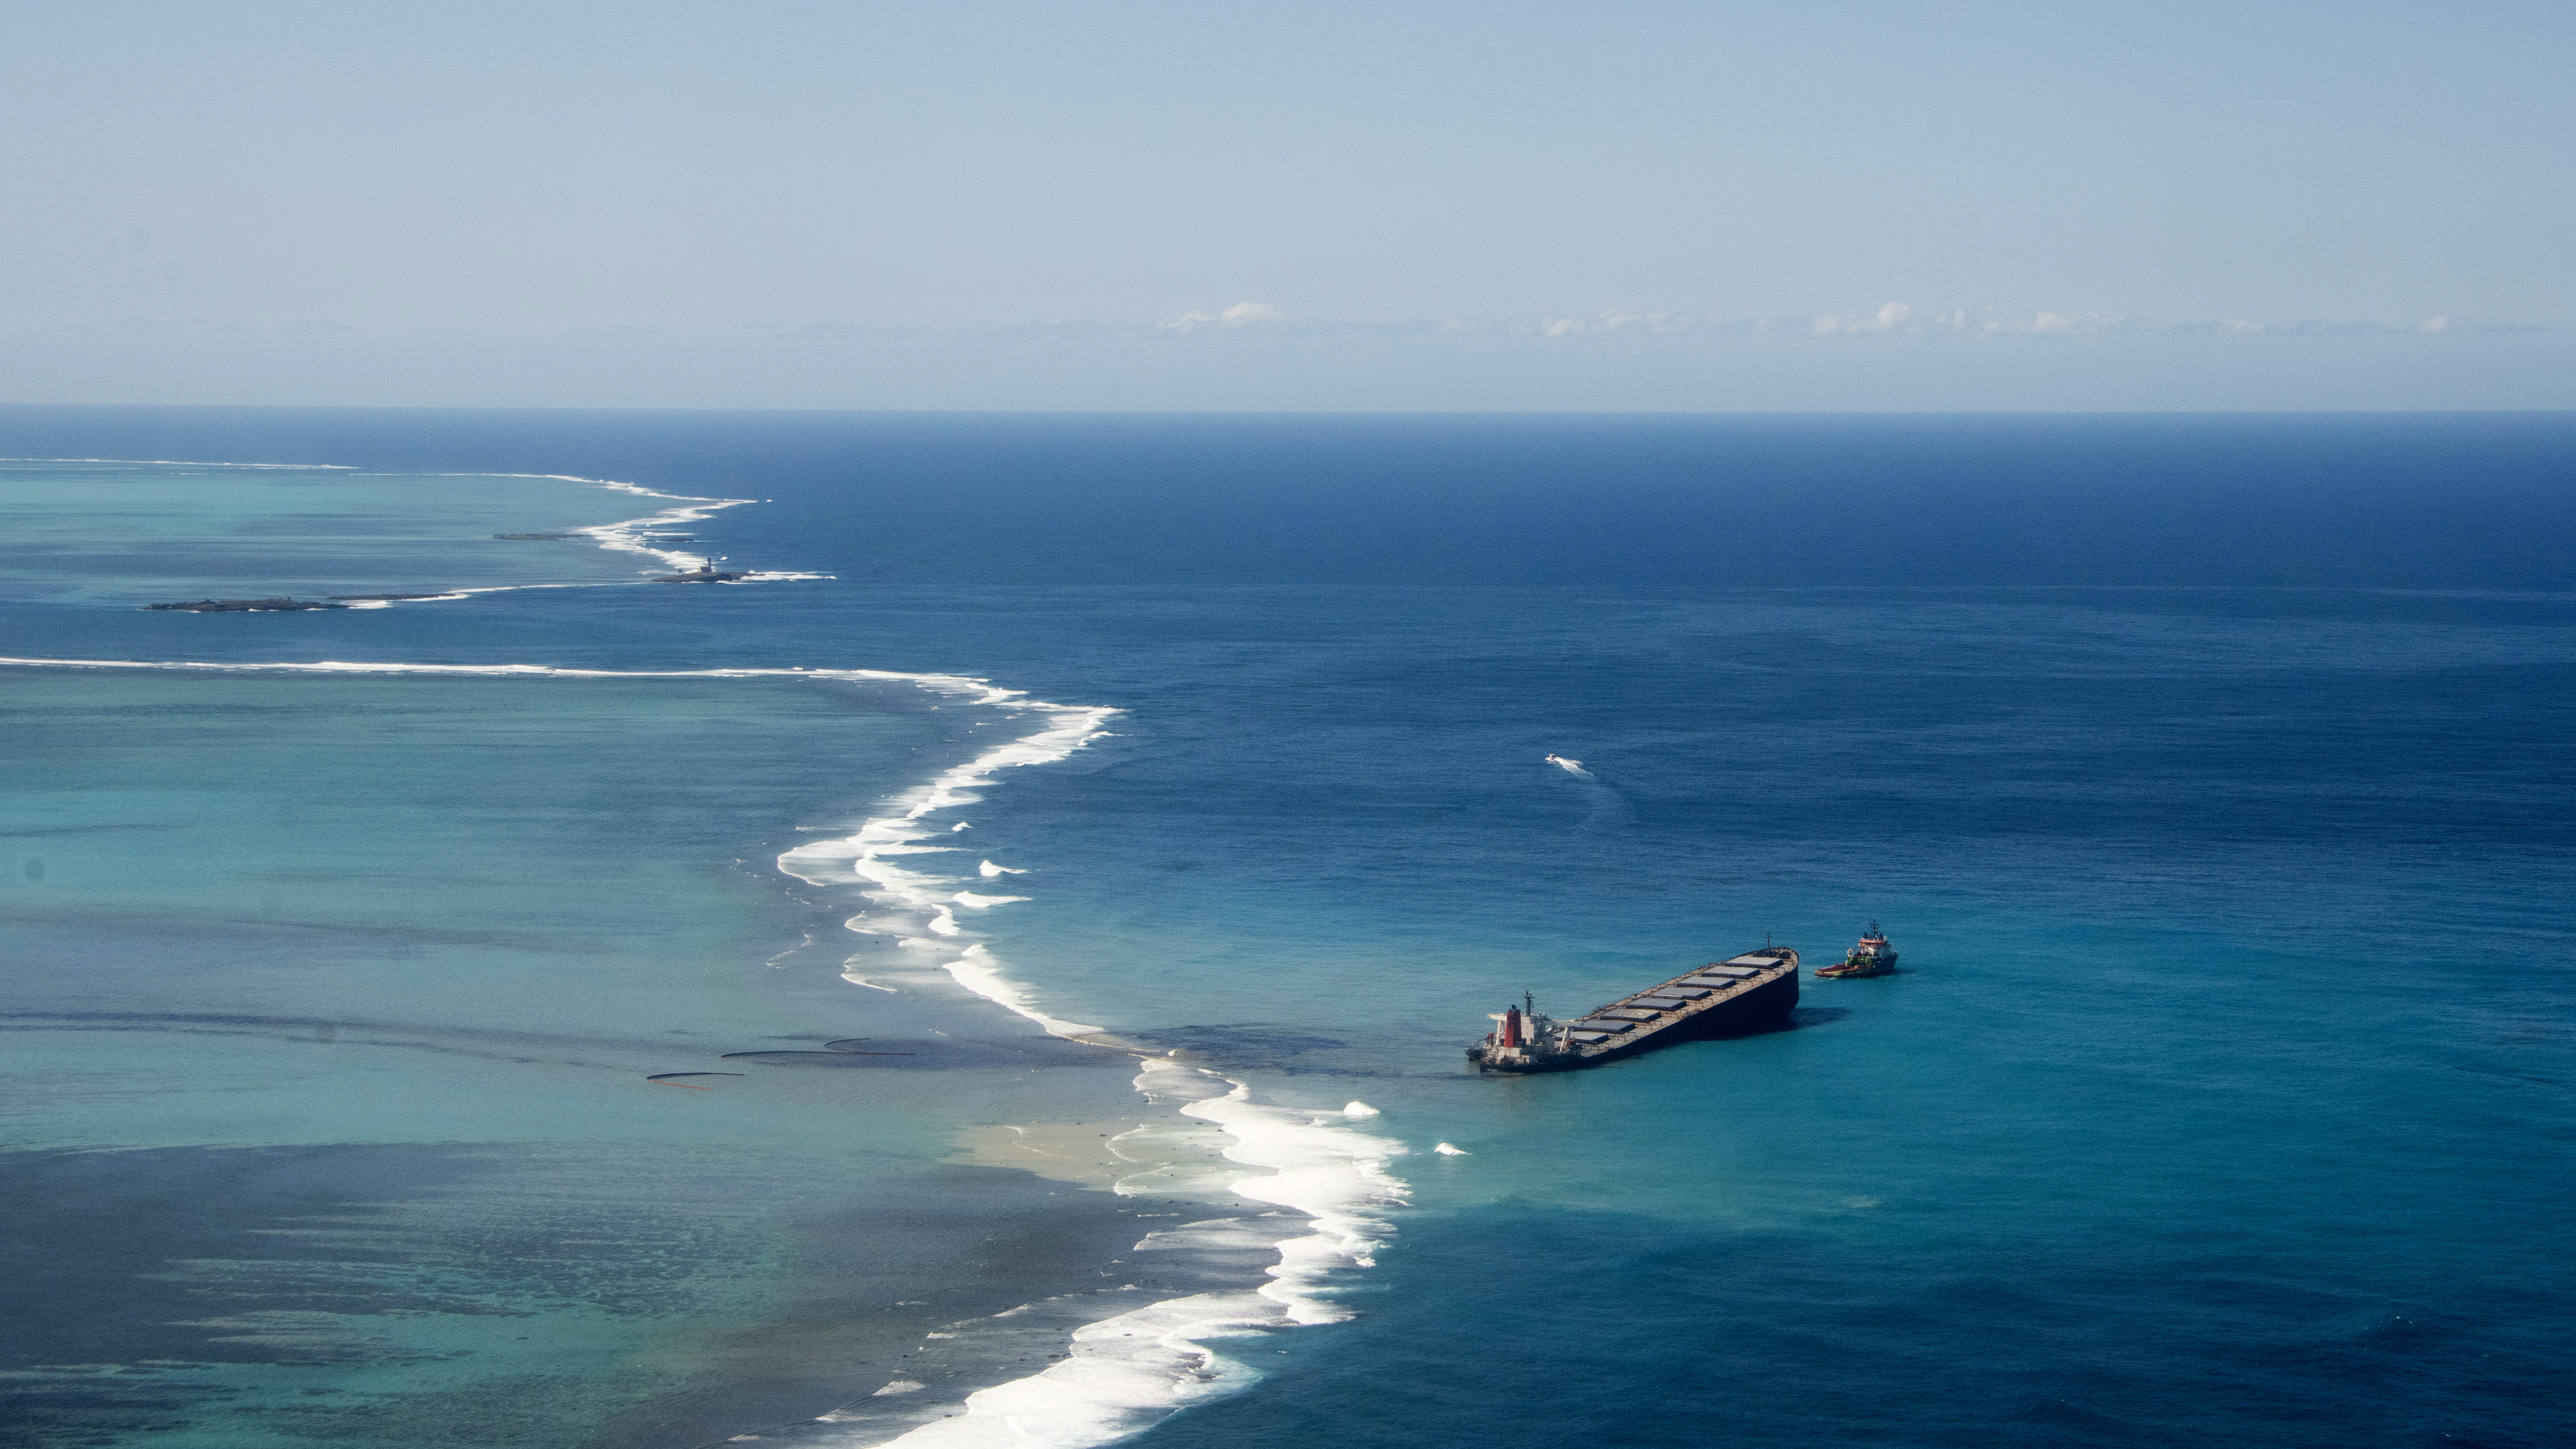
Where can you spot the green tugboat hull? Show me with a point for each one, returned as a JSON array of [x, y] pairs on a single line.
[[1872, 957]]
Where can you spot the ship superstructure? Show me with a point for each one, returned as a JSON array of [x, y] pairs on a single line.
[[1871, 957], [1743, 992]]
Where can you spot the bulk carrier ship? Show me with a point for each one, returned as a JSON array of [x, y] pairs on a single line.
[[1744, 992]]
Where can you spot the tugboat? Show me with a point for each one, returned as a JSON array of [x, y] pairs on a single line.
[[1872, 957]]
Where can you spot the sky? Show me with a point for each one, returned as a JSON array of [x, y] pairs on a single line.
[[1454, 206]]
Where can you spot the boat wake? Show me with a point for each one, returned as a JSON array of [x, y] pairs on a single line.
[[1612, 811]]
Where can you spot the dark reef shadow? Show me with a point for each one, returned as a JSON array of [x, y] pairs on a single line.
[[928, 1053], [492, 1044], [1253, 1045]]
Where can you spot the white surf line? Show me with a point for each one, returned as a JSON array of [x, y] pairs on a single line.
[[1123, 1374], [920, 908], [1329, 1171], [984, 691], [454, 594], [201, 463], [625, 536], [628, 535], [923, 906]]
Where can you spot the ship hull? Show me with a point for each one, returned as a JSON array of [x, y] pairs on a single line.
[[1764, 1006]]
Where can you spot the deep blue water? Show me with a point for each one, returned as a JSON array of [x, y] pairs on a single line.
[[2212, 775]]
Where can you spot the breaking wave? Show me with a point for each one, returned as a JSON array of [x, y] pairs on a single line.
[[636, 535], [1125, 1372], [917, 906]]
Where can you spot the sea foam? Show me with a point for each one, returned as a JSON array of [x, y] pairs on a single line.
[[632, 535], [919, 906], [1126, 1372]]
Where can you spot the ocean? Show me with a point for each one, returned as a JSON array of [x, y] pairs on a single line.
[[999, 972]]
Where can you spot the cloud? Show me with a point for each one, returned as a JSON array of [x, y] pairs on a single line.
[[1899, 319], [1241, 314], [1889, 320], [1893, 317]]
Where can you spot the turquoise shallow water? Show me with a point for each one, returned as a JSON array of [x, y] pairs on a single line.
[[126, 533], [362, 979], [2222, 1099]]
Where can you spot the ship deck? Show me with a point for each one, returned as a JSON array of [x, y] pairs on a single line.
[[1695, 1003]]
